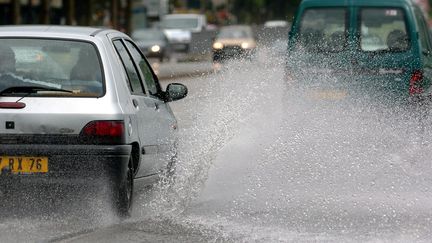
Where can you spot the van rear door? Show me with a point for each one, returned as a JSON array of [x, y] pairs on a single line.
[[385, 50], [319, 45]]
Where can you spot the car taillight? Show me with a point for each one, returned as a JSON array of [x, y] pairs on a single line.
[[415, 83], [103, 132]]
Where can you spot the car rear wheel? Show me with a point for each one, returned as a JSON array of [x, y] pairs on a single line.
[[123, 193]]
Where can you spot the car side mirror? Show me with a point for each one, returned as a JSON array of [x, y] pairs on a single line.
[[175, 91]]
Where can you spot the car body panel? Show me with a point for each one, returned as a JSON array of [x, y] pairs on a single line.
[[146, 108]]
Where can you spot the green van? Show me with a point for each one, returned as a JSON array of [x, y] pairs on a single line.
[[362, 48]]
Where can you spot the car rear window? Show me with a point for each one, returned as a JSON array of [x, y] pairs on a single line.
[[383, 29], [323, 30], [60, 64]]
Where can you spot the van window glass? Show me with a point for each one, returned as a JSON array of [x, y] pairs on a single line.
[[323, 30], [383, 29], [135, 82]]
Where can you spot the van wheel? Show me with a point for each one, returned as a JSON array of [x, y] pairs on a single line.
[[124, 193]]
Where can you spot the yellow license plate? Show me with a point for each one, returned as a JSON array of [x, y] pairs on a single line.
[[329, 95], [24, 164]]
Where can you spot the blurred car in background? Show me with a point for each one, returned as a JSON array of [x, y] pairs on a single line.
[[179, 28], [153, 43], [235, 41]]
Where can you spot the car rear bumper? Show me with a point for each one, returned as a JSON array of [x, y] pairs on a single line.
[[70, 164]]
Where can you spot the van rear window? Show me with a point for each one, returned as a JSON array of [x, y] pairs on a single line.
[[323, 30], [383, 29]]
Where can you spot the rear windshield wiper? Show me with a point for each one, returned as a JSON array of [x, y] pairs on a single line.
[[30, 89]]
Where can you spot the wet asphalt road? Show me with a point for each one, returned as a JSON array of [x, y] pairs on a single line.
[[257, 163]]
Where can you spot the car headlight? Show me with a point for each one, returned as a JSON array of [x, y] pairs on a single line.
[[245, 45], [155, 48], [217, 45]]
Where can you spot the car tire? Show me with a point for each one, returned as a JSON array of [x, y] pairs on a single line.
[[123, 193]]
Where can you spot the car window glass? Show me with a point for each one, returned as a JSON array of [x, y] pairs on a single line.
[[323, 29], [383, 29], [65, 64], [145, 69], [135, 82]]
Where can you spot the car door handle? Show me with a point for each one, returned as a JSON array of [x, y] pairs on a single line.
[[135, 103]]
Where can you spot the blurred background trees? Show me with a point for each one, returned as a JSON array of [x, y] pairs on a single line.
[[258, 11], [109, 13], [117, 13], [126, 15]]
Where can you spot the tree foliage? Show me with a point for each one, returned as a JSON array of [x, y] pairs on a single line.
[[258, 11]]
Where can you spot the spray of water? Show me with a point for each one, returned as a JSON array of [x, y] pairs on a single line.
[[327, 169], [261, 160]]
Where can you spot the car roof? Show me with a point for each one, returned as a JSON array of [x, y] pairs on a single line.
[[53, 30], [356, 2]]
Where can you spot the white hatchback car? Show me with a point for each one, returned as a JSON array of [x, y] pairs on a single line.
[[79, 104]]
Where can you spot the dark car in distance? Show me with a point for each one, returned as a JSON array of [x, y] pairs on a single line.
[[153, 43]]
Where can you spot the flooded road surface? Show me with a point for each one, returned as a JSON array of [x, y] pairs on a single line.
[[259, 163]]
